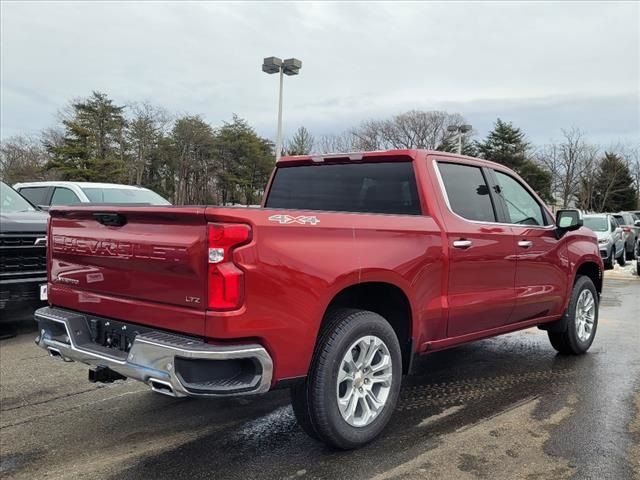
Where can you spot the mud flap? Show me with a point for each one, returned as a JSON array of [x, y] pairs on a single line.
[[558, 326]]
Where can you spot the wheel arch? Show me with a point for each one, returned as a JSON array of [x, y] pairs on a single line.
[[592, 270], [589, 267], [387, 300]]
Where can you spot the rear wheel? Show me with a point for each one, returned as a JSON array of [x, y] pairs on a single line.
[[354, 380], [608, 263], [581, 319]]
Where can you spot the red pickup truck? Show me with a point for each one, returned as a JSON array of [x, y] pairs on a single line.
[[354, 264]]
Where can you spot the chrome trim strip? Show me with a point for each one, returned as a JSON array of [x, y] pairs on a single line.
[[152, 355], [446, 199]]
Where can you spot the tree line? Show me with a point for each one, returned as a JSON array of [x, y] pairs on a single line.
[[567, 173], [182, 158], [189, 161]]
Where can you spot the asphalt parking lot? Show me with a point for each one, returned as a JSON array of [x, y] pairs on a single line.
[[502, 408]]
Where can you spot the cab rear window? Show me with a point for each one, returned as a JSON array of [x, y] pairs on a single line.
[[385, 187]]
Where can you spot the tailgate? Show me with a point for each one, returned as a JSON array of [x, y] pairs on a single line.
[[141, 264]]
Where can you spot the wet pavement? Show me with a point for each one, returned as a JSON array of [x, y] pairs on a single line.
[[504, 408]]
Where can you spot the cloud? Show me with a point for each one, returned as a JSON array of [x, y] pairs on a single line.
[[546, 65]]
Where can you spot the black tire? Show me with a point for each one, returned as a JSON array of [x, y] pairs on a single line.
[[315, 400], [608, 263], [622, 260], [300, 409], [567, 342]]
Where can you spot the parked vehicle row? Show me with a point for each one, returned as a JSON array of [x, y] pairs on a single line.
[[611, 240], [355, 264], [630, 224], [618, 236]]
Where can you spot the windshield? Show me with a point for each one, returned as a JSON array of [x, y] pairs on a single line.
[[124, 195], [12, 201], [597, 224]]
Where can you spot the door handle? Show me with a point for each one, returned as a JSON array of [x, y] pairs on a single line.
[[525, 243], [462, 243]]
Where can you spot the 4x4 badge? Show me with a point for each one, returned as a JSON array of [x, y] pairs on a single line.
[[287, 219]]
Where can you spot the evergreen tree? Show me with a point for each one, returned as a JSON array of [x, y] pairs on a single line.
[[301, 143], [243, 162], [93, 146], [507, 145], [612, 189]]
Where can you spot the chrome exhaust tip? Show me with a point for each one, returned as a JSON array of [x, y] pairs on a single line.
[[57, 354], [54, 352], [160, 386]]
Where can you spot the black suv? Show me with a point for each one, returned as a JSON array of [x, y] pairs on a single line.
[[23, 262]]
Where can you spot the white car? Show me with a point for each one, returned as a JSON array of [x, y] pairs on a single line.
[[46, 194]]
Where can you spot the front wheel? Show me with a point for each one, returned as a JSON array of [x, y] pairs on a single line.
[[582, 319], [354, 380]]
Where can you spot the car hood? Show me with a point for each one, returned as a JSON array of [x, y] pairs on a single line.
[[603, 235], [23, 222]]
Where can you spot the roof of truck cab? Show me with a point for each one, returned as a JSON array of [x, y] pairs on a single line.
[[53, 183], [394, 155]]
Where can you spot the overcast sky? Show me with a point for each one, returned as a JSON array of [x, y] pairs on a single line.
[[542, 65]]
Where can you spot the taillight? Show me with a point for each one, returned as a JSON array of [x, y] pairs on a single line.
[[626, 229], [49, 248], [226, 280]]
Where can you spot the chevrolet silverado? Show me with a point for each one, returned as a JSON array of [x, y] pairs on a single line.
[[355, 264]]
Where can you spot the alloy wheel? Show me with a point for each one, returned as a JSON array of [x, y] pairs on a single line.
[[585, 315], [364, 381]]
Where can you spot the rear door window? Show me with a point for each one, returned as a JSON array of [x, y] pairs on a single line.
[[36, 195], [385, 187], [467, 191], [64, 196]]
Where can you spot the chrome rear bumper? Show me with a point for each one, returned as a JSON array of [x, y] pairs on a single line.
[[156, 358]]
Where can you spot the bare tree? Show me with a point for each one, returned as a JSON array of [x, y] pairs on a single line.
[[344, 142], [568, 161], [588, 182], [147, 126], [413, 129], [22, 158]]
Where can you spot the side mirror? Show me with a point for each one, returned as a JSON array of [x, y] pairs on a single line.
[[569, 219]]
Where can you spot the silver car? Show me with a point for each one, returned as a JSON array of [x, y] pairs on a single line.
[[611, 240], [628, 222]]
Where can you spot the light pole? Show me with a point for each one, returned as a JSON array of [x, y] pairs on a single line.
[[291, 66], [459, 129]]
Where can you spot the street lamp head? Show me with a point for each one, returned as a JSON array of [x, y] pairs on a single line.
[[291, 66], [271, 65], [465, 128], [452, 128]]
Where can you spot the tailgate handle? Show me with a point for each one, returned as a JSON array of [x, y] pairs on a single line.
[[110, 219]]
